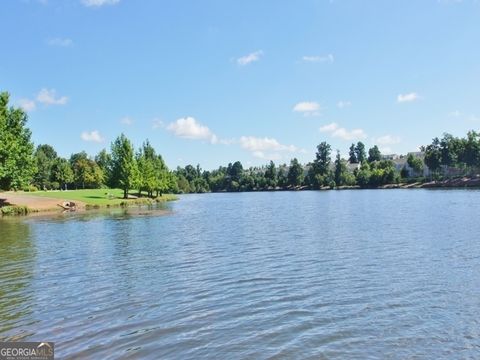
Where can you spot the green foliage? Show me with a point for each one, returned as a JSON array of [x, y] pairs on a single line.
[[45, 157], [352, 155], [17, 164], [14, 210], [62, 173], [295, 173], [374, 154], [125, 172], [360, 152], [86, 172], [415, 163]]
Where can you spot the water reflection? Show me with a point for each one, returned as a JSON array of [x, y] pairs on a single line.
[[17, 263]]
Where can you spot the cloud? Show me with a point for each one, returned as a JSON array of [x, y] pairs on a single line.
[[266, 148], [252, 143], [99, 3], [250, 58], [343, 104], [308, 108], [27, 104], [319, 58], [48, 97], [92, 136], [388, 140], [126, 120], [189, 128], [401, 98], [62, 42], [268, 156], [336, 131], [455, 114]]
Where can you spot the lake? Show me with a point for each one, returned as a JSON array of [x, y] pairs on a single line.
[[286, 275]]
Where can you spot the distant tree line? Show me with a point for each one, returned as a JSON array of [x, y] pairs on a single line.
[[22, 166]]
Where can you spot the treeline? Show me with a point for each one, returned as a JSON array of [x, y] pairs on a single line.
[[22, 166]]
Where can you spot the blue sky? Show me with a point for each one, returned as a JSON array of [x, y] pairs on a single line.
[[214, 81]]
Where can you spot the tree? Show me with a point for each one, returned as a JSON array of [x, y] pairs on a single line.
[[45, 157], [433, 155], [342, 176], [472, 149], [86, 172], [62, 173], [352, 155], [374, 154], [360, 152], [17, 164], [322, 160], [271, 175], [415, 163], [148, 178], [124, 167], [104, 161], [295, 173]]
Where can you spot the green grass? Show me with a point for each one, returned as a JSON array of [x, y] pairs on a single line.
[[99, 197]]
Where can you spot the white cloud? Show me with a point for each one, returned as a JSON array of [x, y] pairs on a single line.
[[319, 58], [98, 3], [388, 140], [27, 104], [62, 42], [329, 128], [252, 143], [401, 98], [336, 131], [48, 97], [266, 156], [343, 104], [189, 128], [126, 120], [266, 148], [247, 59], [92, 136], [308, 108]]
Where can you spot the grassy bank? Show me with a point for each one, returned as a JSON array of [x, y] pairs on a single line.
[[22, 203]]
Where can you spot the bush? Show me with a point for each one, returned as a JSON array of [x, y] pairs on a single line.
[[30, 188], [14, 210]]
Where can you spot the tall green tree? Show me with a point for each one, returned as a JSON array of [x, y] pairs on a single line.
[[295, 173], [352, 155], [322, 159], [374, 154], [45, 157], [104, 161], [360, 152], [62, 173], [271, 174], [433, 155], [124, 166], [86, 172], [17, 164]]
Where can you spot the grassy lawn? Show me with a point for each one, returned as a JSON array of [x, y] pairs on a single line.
[[100, 197]]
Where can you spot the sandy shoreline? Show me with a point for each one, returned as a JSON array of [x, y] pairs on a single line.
[[45, 207]]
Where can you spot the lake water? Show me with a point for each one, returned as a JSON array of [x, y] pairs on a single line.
[[286, 275]]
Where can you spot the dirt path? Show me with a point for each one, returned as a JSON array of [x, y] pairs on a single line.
[[36, 203]]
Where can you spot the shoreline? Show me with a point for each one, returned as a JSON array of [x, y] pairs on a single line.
[[20, 204]]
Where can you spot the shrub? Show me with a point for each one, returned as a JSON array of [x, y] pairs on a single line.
[[14, 210]]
